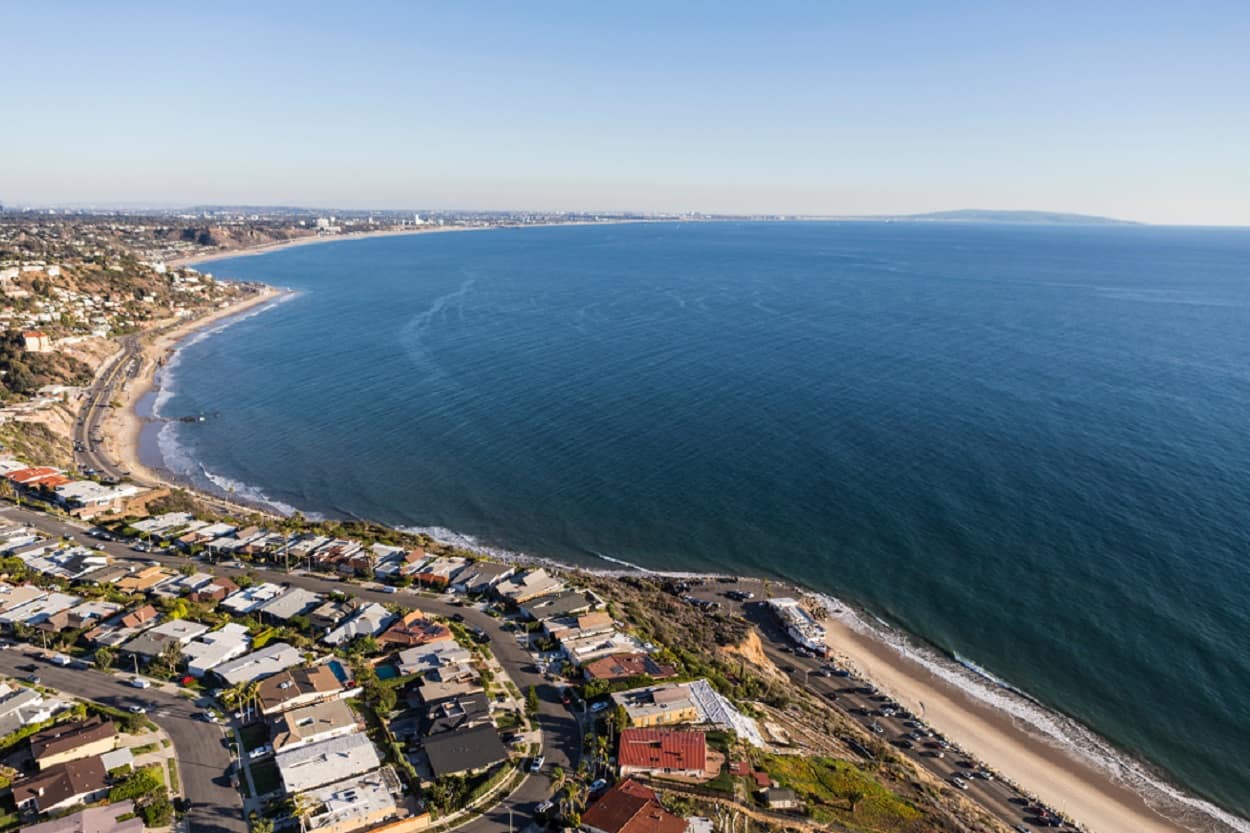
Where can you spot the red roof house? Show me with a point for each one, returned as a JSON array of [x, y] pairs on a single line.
[[629, 807], [662, 752]]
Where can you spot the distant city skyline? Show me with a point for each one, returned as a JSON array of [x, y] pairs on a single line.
[[1136, 111]]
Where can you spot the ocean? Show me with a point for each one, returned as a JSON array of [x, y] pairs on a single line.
[[1026, 446]]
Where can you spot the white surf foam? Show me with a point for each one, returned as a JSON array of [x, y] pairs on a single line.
[[1058, 730]]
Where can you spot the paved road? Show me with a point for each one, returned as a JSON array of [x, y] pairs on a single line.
[[95, 408], [560, 732], [203, 758]]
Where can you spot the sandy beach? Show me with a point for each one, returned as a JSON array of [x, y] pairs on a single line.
[[122, 428], [1072, 786]]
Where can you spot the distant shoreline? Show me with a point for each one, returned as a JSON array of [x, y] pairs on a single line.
[[313, 239], [1061, 777]]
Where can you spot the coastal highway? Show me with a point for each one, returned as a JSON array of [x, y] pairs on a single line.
[[203, 758], [95, 408], [561, 735], [997, 797]]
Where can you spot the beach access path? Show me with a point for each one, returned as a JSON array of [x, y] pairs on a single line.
[[561, 737]]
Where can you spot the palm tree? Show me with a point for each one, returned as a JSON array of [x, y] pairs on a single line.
[[853, 797]]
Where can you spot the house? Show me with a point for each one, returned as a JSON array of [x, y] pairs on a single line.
[[779, 798], [356, 803], [413, 629], [143, 580], [647, 751], [71, 741], [598, 623], [299, 687], [153, 642], [251, 598], [437, 572], [521, 587], [90, 612], [327, 761], [214, 591], [624, 666], [659, 705], [37, 610], [296, 601], [63, 786], [36, 341], [564, 603], [212, 649], [480, 576], [272, 659], [434, 656], [456, 713], [312, 724], [330, 614], [21, 707], [109, 818], [368, 620], [113, 632], [586, 649], [467, 751], [629, 807]]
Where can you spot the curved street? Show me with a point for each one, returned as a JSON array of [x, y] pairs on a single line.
[[561, 739]]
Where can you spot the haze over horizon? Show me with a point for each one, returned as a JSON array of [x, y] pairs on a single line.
[[1130, 111]]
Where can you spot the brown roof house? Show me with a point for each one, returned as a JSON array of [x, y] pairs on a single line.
[[63, 786], [71, 741]]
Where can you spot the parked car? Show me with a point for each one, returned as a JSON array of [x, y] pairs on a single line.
[[136, 709], [599, 706], [139, 682], [537, 764], [598, 784]]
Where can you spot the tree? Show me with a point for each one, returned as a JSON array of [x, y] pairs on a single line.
[[853, 797], [104, 659], [260, 825], [531, 700]]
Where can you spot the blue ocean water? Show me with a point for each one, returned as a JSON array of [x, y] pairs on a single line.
[[1026, 445]]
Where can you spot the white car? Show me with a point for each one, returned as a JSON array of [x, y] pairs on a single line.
[[260, 751], [136, 709], [139, 682], [600, 706], [537, 764]]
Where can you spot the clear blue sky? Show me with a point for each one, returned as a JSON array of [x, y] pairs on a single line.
[[1131, 109]]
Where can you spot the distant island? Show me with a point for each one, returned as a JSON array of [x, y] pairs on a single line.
[[1032, 218]]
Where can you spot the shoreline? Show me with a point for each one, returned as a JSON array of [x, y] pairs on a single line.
[[312, 239], [124, 426], [1063, 778], [1041, 765]]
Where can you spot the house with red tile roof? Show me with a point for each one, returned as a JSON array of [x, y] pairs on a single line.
[[647, 751], [414, 629], [629, 807], [626, 665]]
